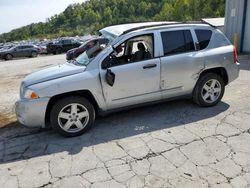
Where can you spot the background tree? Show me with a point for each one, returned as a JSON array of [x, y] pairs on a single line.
[[90, 16]]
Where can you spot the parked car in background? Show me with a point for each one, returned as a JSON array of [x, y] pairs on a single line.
[[19, 51], [94, 42], [42, 49], [144, 63], [5, 47], [62, 45]]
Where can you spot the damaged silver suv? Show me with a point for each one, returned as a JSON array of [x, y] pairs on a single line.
[[143, 63]]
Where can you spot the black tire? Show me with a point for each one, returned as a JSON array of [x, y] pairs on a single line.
[[59, 50], [62, 104], [198, 91], [33, 54], [8, 57]]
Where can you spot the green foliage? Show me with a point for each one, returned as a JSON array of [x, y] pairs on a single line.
[[88, 17]]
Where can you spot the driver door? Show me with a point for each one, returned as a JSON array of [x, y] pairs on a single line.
[[134, 82]]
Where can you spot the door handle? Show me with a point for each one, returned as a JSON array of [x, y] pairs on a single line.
[[149, 66]]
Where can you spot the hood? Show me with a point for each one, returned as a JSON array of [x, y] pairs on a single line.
[[51, 73]]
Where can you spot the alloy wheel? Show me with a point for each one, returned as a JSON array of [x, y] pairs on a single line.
[[211, 91], [73, 118]]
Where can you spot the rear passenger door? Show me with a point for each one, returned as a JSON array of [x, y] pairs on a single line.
[[181, 63]]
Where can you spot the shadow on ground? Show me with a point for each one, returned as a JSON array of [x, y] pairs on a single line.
[[18, 143]]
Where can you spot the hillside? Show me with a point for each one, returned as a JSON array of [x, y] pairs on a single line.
[[92, 15]]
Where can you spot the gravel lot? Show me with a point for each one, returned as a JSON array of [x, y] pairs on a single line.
[[173, 144], [11, 74]]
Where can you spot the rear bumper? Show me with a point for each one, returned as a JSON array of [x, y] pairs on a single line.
[[31, 113], [233, 71]]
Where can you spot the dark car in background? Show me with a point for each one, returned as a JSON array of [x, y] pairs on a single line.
[[62, 45], [19, 51], [98, 42]]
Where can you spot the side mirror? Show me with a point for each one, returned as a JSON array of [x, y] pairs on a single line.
[[110, 77]]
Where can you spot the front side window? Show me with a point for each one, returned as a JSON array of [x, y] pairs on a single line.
[[203, 37], [135, 49], [175, 42]]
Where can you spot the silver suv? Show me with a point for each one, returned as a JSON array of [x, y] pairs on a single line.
[[143, 63]]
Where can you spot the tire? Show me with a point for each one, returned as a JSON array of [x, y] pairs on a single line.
[[209, 90], [58, 50], [66, 121], [34, 54], [8, 57]]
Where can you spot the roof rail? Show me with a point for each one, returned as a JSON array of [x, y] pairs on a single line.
[[166, 24], [148, 26], [199, 22]]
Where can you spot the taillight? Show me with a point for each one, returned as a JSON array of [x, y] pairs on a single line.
[[235, 55]]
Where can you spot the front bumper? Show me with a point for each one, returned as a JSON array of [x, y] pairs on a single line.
[[31, 113]]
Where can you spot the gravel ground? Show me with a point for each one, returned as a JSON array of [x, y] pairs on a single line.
[[11, 74], [173, 144]]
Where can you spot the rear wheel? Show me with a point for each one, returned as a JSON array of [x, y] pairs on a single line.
[[8, 57], [72, 116], [34, 54], [209, 90]]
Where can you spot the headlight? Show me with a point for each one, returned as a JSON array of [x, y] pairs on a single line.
[[30, 94]]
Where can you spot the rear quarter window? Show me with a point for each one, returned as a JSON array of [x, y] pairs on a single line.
[[204, 37], [219, 40]]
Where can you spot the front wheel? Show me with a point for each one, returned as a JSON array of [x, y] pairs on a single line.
[[209, 90], [8, 57], [72, 116]]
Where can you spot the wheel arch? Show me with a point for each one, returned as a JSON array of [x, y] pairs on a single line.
[[5, 56], [82, 93], [33, 51], [221, 71]]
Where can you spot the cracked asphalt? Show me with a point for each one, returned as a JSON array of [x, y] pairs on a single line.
[[172, 144]]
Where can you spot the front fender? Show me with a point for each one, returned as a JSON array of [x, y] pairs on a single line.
[[78, 82]]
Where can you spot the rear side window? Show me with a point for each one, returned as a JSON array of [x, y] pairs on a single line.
[[203, 37], [175, 42]]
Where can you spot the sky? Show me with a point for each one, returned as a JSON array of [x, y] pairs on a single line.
[[17, 13]]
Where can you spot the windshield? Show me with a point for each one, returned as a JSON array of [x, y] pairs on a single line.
[[92, 50], [83, 59], [108, 36], [86, 57]]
